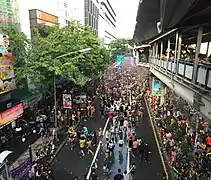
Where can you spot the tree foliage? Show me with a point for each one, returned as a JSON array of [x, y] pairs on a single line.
[[38, 58], [118, 47], [77, 67]]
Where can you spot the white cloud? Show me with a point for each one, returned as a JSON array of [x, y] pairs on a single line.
[[126, 17]]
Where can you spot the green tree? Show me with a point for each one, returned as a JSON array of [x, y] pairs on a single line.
[[118, 47], [77, 67]]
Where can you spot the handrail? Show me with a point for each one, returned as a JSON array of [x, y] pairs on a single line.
[[186, 71]]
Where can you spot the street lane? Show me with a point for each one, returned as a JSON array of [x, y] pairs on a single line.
[[68, 164], [116, 161], [153, 170]]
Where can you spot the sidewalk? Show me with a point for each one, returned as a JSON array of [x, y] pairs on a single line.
[[36, 146]]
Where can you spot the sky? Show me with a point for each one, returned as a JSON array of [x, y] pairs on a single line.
[[126, 17]]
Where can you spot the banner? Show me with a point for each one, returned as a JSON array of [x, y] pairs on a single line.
[[156, 87], [7, 75], [81, 100], [19, 172], [11, 114], [67, 101]]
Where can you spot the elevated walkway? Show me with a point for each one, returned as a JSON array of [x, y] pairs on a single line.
[[179, 77]]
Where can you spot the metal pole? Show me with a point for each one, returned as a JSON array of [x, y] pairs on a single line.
[[55, 104], [29, 144]]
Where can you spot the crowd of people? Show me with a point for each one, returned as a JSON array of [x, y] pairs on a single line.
[[122, 104], [185, 137]]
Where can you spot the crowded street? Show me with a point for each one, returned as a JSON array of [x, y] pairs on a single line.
[[110, 154], [105, 90]]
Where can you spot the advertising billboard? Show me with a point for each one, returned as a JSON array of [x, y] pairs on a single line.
[[45, 17], [11, 114], [156, 87], [67, 101], [7, 75]]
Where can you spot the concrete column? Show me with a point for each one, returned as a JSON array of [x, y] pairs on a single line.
[[168, 49], [161, 52], [163, 91], [179, 52], [156, 50], [208, 46], [198, 47]]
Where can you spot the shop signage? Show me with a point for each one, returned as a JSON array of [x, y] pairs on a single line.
[[7, 75], [67, 101], [11, 114]]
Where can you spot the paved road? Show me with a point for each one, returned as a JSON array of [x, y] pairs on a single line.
[[68, 164], [154, 169], [144, 171]]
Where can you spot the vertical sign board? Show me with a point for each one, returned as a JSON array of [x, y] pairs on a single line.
[[67, 101], [82, 101], [156, 87], [7, 75]]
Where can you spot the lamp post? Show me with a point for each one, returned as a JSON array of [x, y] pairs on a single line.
[[55, 98], [18, 129]]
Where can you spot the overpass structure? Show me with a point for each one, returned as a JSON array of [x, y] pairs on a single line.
[[171, 30]]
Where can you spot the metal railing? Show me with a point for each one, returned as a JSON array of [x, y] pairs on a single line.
[[185, 71]]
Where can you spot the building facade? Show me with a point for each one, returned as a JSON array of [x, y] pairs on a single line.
[[57, 8], [9, 13], [108, 15], [98, 14]]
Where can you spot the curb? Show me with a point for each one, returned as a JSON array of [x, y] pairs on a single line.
[[164, 155], [62, 144], [65, 140]]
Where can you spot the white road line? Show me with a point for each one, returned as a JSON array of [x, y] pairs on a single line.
[[104, 130], [97, 151], [128, 163], [93, 161]]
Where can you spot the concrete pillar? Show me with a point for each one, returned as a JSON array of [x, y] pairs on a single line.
[[161, 52], [156, 51], [179, 52], [163, 92], [207, 51], [168, 49], [198, 47], [137, 56]]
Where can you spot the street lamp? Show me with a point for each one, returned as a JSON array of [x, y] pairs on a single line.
[[18, 129], [55, 99]]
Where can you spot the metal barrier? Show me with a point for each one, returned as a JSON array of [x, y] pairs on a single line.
[[185, 71]]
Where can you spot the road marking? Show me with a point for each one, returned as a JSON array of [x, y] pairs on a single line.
[[96, 152], [104, 130], [128, 163], [156, 139]]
